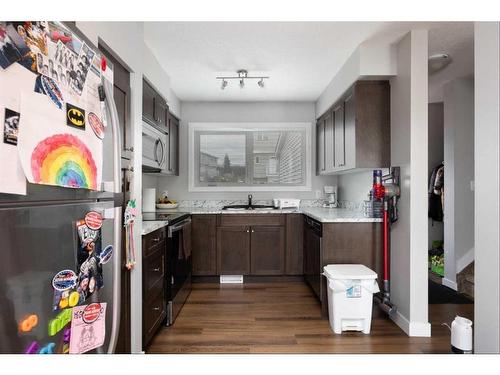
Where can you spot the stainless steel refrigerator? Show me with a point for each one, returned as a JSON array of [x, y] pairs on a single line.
[[38, 239]]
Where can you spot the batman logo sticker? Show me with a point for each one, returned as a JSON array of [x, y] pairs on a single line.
[[75, 116]]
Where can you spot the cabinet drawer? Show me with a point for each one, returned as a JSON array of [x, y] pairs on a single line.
[[154, 274], [154, 240], [153, 314], [251, 220]]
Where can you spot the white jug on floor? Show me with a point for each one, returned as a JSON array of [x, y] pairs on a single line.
[[461, 335]]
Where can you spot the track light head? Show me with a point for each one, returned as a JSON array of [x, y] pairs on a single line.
[[261, 83], [242, 83], [223, 85]]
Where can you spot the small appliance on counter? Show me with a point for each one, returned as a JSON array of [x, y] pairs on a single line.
[[330, 197], [149, 200], [282, 203]]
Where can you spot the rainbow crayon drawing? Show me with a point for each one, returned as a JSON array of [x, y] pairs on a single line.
[[64, 160]]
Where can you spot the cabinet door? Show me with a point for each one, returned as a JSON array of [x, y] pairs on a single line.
[[173, 139], [148, 102], [320, 146], [339, 137], [350, 132], [233, 250], [294, 264], [160, 110], [204, 253], [267, 250], [330, 142]]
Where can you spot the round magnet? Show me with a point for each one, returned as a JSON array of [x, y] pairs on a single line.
[[91, 313], [64, 280], [104, 63], [93, 220], [106, 254], [96, 125]]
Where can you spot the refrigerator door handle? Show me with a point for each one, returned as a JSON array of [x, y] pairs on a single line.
[[113, 116]]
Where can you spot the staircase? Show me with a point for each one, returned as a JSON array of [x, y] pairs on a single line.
[[465, 281]]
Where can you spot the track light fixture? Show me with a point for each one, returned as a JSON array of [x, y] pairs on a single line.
[[242, 75]]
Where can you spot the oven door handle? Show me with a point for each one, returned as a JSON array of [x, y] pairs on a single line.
[[175, 228]]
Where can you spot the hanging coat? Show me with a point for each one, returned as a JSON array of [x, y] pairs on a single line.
[[436, 193]]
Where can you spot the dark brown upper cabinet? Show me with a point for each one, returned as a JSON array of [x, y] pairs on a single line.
[[356, 131], [154, 107], [173, 145]]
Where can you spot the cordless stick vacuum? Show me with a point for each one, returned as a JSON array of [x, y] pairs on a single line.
[[388, 190]]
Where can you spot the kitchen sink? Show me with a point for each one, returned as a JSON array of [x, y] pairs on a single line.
[[245, 207]]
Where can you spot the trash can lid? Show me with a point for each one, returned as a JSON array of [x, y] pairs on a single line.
[[349, 271]]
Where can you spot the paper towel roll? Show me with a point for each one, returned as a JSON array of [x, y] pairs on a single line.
[[149, 200]]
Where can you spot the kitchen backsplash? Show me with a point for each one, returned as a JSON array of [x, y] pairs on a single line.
[[216, 203]]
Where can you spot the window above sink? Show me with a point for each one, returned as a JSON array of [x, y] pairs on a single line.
[[249, 156]]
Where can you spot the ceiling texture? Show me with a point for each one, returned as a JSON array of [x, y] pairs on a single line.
[[301, 58]]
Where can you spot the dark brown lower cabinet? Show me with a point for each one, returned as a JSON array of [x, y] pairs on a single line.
[[154, 309], [233, 250], [204, 245], [294, 263], [267, 250]]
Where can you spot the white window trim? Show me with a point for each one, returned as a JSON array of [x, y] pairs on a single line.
[[248, 126]]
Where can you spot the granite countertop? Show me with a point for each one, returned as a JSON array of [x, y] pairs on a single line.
[[151, 226], [322, 214]]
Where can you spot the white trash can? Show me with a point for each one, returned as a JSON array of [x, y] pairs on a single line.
[[350, 296]]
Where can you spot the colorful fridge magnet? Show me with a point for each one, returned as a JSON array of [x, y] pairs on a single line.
[[75, 116], [93, 220], [64, 280], [88, 329], [28, 323], [96, 125], [128, 223], [106, 254]]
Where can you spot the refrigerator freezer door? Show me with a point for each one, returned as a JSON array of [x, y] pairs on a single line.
[[37, 242]]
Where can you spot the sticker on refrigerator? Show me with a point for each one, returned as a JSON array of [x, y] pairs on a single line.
[[75, 116], [89, 266], [354, 291], [65, 298], [96, 125], [88, 329], [93, 220], [106, 254], [63, 280]]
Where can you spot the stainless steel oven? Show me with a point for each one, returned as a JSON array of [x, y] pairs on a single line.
[[178, 267], [154, 148]]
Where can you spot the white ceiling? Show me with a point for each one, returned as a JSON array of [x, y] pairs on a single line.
[[300, 57]]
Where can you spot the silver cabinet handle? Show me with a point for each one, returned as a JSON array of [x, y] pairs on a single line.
[[248, 230], [156, 270], [156, 308], [156, 239], [131, 149], [253, 231]]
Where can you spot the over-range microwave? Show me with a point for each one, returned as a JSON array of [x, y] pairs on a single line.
[[154, 148]]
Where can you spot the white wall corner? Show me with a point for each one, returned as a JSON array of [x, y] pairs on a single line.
[[465, 260], [412, 329], [449, 283]]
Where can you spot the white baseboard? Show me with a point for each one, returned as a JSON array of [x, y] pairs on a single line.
[[450, 284], [412, 329], [465, 260]]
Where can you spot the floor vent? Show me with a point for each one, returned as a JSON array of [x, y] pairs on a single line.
[[231, 279]]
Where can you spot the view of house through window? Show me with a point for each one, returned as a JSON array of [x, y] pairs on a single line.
[[234, 157]]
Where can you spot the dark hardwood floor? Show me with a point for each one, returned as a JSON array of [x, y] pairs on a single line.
[[286, 318]]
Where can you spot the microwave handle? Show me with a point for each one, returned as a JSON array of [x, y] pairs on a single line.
[[155, 152], [161, 159]]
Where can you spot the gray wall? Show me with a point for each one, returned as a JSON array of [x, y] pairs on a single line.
[[487, 190], [459, 173], [436, 156], [409, 121], [240, 112]]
